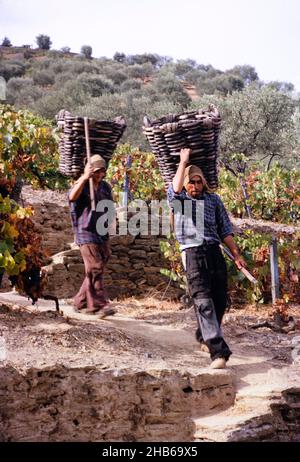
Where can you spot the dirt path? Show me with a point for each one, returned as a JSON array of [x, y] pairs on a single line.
[[152, 335], [155, 329]]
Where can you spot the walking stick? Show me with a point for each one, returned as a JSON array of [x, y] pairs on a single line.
[[88, 154]]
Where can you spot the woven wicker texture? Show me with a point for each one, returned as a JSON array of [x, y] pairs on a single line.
[[103, 134], [197, 130]]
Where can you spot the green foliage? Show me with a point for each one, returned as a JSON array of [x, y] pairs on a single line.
[[146, 186], [28, 148], [246, 72], [130, 84], [43, 78], [118, 77], [140, 71], [65, 49], [170, 250], [143, 59], [22, 92], [71, 96], [257, 122], [258, 119], [43, 41], [119, 57], [11, 69], [27, 152], [183, 67], [273, 195], [255, 250], [284, 87], [86, 51], [72, 66], [20, 246], [6, 42], [94, 85], [167, 85]]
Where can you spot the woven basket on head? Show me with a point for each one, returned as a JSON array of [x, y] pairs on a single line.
[[103, 134], [197, 130]]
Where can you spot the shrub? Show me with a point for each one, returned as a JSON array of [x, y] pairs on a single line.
[[273, 195], [43, 42], [6, 42], [22, 92], [86, 51], [43, 78], [117, 76], [169, 86], [140, 70], [12, 69], [130, 84], [70, 97], [95, 85]]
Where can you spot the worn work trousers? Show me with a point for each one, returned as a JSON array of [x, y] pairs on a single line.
[[207, 282], [91, 294]]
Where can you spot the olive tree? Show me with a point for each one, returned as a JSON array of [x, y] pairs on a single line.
[[257, 123], [86, 51], [43, 42]]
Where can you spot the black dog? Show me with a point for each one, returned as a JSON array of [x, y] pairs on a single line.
[[31, 283]]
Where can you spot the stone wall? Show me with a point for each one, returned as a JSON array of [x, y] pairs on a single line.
[[53, 223], [51, 217], [133, 268], [88, 404]]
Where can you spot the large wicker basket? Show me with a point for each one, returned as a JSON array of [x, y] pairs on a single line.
[[197, 130], [103, 134]]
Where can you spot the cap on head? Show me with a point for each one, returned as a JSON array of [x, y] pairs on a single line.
[[190, 172], [97, 162]]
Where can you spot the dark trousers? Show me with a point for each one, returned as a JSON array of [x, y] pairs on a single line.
[[91, 294], [207, 282]]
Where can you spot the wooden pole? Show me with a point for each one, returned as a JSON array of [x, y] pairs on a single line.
[[88, 154], [274, 270]]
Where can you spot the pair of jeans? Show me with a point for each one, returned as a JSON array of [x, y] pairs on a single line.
[[207, 282]]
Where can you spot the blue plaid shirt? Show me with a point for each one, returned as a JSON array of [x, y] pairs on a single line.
[[214, 217], [81, 214]]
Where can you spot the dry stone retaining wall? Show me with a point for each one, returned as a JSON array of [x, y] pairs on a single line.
[[87, 404], [133, 268]]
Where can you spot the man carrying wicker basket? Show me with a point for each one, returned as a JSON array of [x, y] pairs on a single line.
[[94, 248], [203, 260]]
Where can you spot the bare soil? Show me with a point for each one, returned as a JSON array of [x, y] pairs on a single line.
[[145, 333]]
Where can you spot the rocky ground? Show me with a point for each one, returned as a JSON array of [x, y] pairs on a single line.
[[156, 336]]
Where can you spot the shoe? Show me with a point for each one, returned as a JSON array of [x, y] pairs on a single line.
[[102, 313], [79, 310], [106, 312], [218, 363]]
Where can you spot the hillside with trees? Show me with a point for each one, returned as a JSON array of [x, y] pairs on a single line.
[[260, 120]]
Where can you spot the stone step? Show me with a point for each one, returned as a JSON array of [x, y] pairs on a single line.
[[241, 422], [254, 420]]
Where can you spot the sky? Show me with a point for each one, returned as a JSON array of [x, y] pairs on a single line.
[[223, 33]]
